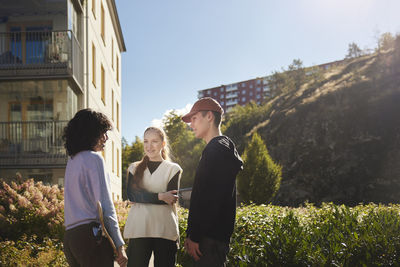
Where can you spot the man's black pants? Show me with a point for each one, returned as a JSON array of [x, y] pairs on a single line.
[[214, 253]]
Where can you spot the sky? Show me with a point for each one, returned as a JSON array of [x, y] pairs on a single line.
[[177, 47]]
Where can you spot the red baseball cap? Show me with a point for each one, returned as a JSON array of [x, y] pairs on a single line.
[[203, 104]]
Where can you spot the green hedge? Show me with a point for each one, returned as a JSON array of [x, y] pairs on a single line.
[[330, 235], [32, 252]]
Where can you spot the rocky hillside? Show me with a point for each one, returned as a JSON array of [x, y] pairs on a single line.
[[339, 139]]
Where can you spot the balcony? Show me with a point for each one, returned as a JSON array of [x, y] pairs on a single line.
[[231, 102], [231, 87], [32, 144], [232, 94], [40, 54]]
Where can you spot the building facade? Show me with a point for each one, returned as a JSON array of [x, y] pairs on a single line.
[[57, 57], [239, 93]]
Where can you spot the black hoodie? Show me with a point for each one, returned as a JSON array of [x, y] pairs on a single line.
[[213, 201]]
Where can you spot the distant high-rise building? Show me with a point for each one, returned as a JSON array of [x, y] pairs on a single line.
[[239, 93]]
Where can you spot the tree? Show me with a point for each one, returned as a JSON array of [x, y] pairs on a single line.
[[261, 176], [277, 83], [130, 153], [296, 73], [386, 41], [288, 80], [353, 51], [186, 149], [241, 120]]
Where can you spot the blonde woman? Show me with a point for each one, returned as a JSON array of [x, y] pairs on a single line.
[[153, 184]]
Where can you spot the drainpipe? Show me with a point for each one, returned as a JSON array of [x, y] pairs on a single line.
[[87, 53]]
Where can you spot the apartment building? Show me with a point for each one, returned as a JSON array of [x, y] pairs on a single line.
[[57, 57], [239, 93]]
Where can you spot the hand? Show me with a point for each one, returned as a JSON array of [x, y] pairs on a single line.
[[169, 197], [122, 259], [193, 249]]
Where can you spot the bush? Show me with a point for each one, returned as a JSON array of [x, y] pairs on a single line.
[[32, 252], [31, 209], [328, 236], [265, 235], [261, 176], [122, 208]]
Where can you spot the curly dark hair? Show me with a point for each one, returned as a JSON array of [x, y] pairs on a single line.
[[84, 130]]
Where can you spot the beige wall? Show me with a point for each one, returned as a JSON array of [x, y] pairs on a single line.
[[107, 51]]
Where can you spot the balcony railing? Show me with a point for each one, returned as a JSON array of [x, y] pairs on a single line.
[[32, 144], [48, 54]]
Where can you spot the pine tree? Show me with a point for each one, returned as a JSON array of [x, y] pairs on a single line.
[[261, 176], [353, 51]]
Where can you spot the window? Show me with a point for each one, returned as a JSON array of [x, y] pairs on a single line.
[[215, 93], [74, 22], [117, 162], [251, 86], [102, 23], [251, 94], [118, 69], [258, 96], [222, 89], [94, 8], [117, 116], [258, 89], [112, 151], [243, 84], [258, 81], [112, 53], [243, 92], [112, 105], [243, 99], [30, 109], [93, 65], [103, 86], [222, 103]]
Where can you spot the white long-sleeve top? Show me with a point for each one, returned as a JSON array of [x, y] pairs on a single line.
[[86, 182]]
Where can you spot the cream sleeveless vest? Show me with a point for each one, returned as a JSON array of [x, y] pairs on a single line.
[[152, 220]]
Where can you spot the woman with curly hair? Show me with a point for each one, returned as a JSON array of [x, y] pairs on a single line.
[[152, 224], [86, 183]]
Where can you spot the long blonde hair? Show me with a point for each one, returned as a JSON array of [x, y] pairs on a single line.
[[142, 165]]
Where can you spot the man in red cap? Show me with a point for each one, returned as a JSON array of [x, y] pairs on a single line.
[[212, 208]]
